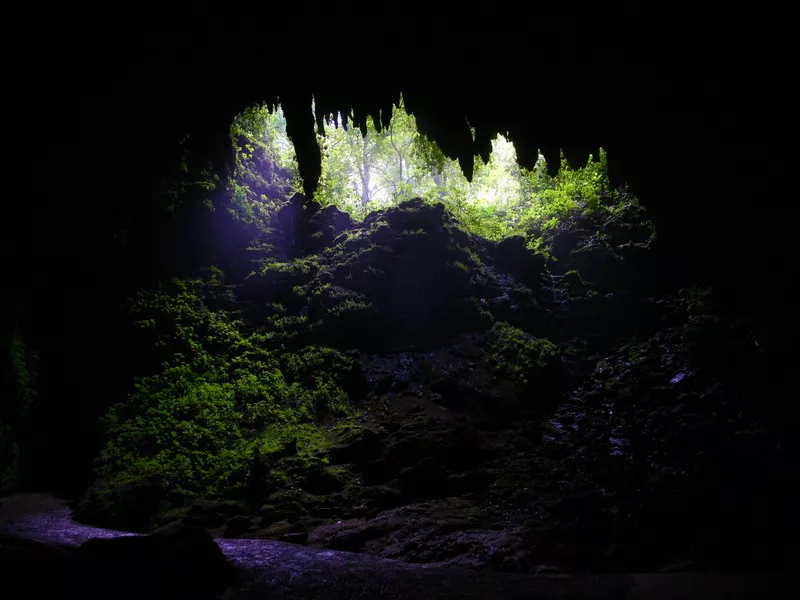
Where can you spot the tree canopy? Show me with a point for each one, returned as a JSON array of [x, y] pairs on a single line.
[[371, 168]]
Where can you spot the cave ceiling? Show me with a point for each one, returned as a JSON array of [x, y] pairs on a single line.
[[691, 116]]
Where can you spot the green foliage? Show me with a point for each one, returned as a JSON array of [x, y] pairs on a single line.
[[258, 127], [22, 362], [522, 357], [182, 424], [221, 395], [179, 322], [18, 388], [361, 174], [302, 266], [186, 179], [305, 365], [265, 170], [348, 305], [224, 393]]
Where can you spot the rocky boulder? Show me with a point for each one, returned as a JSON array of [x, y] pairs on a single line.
[[447, 530], [181, 562], [361, 448], [325, 225], [129, 507], [512, 256]]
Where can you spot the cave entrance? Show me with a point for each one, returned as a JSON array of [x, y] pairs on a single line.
[[375, 167]]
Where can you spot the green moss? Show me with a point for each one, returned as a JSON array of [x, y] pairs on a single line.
[[221, 398], [325, 288], [350, 306], [346, 430], [302, 266], [522, 357], [287, 323]]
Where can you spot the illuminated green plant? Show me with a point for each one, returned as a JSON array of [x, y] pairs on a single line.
[[522, 357]]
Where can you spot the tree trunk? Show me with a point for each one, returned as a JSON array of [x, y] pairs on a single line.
[[440, 179], [365, 176]]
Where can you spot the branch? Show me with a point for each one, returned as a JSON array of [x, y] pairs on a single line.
[[380, 169]]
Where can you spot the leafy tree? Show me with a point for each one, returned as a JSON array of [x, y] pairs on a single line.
[[265, 166], [365, 170], [361, 173]]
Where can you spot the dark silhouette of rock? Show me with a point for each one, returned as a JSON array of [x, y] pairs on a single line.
[[512, 256], [300, 538], [14, 551], [325, 225], [238, 525], [321, 481], [363, 448], [212, 513], [426, 479], [181, 563], [129, 507]]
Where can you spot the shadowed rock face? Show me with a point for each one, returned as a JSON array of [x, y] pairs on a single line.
[[179, 562]]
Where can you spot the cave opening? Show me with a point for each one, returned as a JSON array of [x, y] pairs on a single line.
[[376, 166]]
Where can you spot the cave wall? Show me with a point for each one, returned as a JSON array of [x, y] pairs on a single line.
[[691, 111]]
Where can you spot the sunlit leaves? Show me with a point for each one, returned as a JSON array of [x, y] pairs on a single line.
[[518, 354], [221, 392], [363, 173]]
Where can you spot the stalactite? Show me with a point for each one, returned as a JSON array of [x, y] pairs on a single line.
[[300, 129]]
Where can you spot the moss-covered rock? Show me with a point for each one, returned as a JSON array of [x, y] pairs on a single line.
[[403, 275], [402, 387], [528, 361], [131, 506]]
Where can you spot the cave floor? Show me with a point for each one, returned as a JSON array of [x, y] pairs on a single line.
[[281, 570]]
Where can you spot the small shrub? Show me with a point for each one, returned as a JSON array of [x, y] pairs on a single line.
[[522, 357]]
